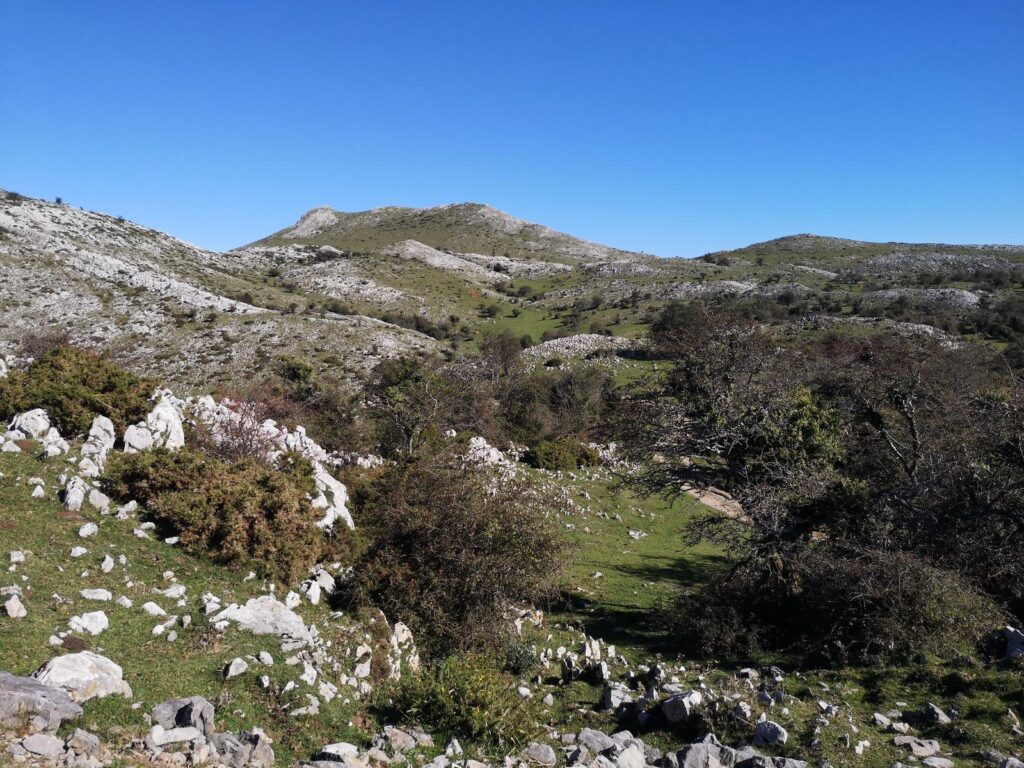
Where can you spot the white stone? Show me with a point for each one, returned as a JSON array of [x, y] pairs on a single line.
[[266, 615], [34, 423], [14, 607], [74, 494], [85, 675], [93, 622], [99, 501], [235, 668], [96, 594], [87, 530]]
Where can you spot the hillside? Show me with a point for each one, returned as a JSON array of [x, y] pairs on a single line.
[[190, 314], [347, 290], [127, 645], [470, 228]]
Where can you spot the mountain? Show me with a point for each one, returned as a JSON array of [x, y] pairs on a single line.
[[471, 228], [346, 290]]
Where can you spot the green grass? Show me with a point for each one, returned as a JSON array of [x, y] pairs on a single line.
[[638, 575], [155, 668], [621, 607]]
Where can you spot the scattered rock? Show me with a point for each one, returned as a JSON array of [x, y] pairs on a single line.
[[85, 675], [25, 700]]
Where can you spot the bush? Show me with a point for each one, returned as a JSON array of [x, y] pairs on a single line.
[[74, 386], [243, 514], [521, 659], [449, 553], [563, 454], [837, 607], [469, 698]]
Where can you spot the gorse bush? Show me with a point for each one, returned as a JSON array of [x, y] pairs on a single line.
[[74, 386], [449, 553], [244, 514], [563, 454], [468, 697]]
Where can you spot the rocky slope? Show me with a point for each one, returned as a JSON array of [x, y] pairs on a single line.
[[346, 290], [191, 315]]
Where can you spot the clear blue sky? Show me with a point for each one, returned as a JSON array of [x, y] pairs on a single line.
[[671, 127]]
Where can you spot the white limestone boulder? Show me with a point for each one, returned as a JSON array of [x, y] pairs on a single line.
[[84, 676]]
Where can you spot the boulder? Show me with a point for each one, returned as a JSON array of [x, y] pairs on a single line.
[[159, 736], [541, 754], [83, 742], [396, 739], [266, 615], [934, 714], [1014, 643], [917, 747], [679, 707], [93, 622], [244, 749], [74, 494], [15, 608], [34, 423], [770, 733], [235, 668], [595, 741], [85, 675], [165, 423], [193, 712], [26, 699], [339, 752], [137, 438], [44, 745], [614, 696]]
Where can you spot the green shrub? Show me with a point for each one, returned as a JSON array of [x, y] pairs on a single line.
[[247, 513], [563, 454], [450, 549], [837, 607], [74, 386], [521, 658], [469, 698]]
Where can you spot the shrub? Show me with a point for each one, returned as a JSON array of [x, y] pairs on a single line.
[[837, 607], [38, 343], [74, 386], [449, 553], [520, 659], [245, 513], [469, 698], [563, 454]]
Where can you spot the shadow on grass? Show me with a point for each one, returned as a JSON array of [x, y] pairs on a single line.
[[620, 620]]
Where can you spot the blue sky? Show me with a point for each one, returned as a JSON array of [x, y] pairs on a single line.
[[671, 127]]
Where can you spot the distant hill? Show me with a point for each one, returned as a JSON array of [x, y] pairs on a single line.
[[459, 227], [346, 290]]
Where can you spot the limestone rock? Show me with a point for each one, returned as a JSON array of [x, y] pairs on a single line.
[[25, 699], [193, 712], [266, 615], [44, 745], [85, 675]]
